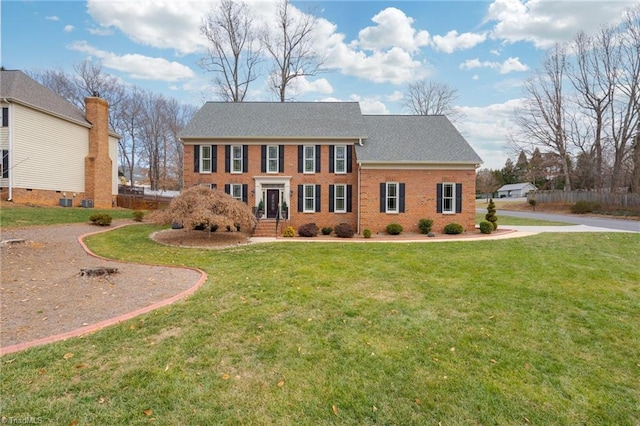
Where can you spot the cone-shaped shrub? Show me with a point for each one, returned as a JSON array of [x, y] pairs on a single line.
[[491, 214]]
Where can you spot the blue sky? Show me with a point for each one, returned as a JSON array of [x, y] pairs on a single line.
[[484, 49]]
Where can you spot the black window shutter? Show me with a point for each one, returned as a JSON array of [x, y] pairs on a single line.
[[281, 158], [349, 155], [401, 203], [383, 197], [263, 159], [439, 198], [300, 159], [5, 117], [227, 188], [318, 198], [458, 198], [331, 200], [196, 158], [318, 158], [332, 154], [214, 158], [349, 197], [300, 198], [245, 190], [227, 158], [245, 158]]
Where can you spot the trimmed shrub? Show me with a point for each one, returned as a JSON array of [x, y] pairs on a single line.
[[327, 230], [101, 219], [308, 230], [425, 225], [138, 215], [453, 228], [344, 230], [486, 227], [491, 214], [582, 207], [394, 229], [367, 233], [289, 232]]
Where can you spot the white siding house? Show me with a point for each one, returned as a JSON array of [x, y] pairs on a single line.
[[515, 190], [45, 143]]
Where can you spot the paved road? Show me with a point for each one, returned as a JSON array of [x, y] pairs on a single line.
[[597, 222]]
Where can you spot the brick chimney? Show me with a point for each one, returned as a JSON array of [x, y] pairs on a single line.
[[97, 164]]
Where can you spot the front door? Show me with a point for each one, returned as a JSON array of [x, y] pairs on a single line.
[[273, 200]]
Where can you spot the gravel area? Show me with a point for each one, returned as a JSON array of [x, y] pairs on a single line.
[[42, 292]]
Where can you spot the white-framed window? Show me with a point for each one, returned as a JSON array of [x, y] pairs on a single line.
[[4, 166], [236, 158], [272, 159], [340, 159], [205, 158], [309, 195], [236, 191], [309, 158], [340, 198], [448, 198], [392, 194]]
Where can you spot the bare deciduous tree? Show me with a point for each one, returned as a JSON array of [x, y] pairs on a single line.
[[542, 119], [431, 98], [292, 49], [233, 52]]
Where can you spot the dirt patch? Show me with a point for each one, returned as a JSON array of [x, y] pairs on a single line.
[[42, 292], [200, 239]]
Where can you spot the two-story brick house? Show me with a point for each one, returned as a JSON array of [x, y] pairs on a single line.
[[327, 163]]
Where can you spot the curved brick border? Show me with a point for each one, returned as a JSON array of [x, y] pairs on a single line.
[[111, 321]]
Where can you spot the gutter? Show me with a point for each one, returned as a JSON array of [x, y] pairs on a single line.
[[359, 200]]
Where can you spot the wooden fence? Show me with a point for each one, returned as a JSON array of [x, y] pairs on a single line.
[[626, 200]]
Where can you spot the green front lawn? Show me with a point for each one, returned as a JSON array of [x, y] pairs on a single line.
[[14, 216], [537, 330]]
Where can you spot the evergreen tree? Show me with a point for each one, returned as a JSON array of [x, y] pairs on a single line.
[[491, 214]]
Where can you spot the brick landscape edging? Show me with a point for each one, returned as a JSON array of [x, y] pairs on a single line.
[[115, 320]]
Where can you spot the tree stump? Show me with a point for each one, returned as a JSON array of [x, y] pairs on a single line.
[[98, 271]]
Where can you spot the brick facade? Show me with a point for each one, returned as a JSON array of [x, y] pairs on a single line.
[[420, 186]]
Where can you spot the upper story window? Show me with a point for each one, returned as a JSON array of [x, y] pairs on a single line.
[[309, 159], [236, 158], [5, 117], [273, 159], [205, 159], [340, 159]]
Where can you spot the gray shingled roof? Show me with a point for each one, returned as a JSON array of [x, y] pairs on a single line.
[[414, 138], [323, 120], [16, 86]]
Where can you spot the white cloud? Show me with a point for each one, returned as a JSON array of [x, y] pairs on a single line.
[[68, 28], [543, 22], [510, 65], [52, 18], [301, 86], [395, 96], [394, 29], [487, 130], [137, 66], [453, 41], [172, 26], [475, 77], [495, 52]]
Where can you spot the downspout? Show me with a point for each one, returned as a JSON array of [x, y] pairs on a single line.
[[359, 199], [11, 155]]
